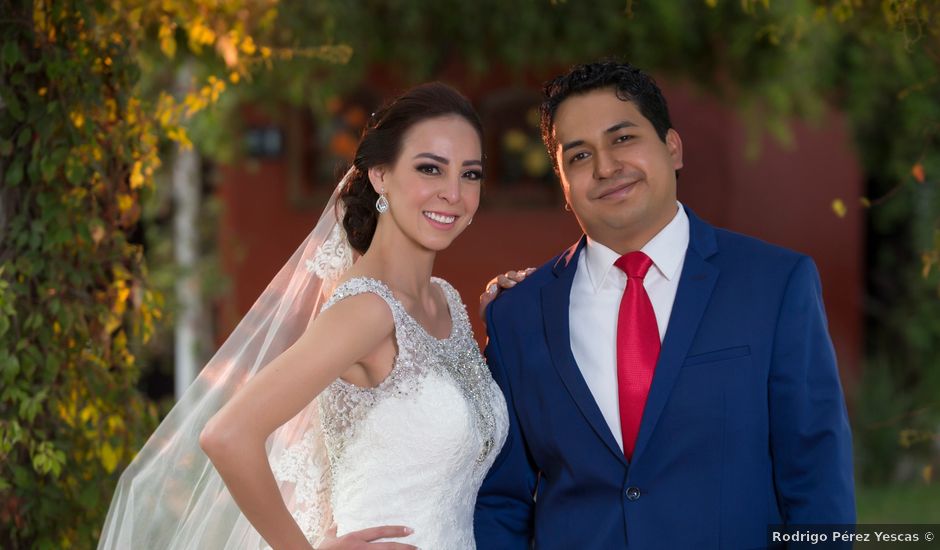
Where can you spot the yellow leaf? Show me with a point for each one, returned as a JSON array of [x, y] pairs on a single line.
[[109, 457], [78, 119], [137, 178], [865, 202], [89, 414], [111, 323], [234, 78], [125, 202], [927, 473], [111, 105], [838, 206], [120, 306], [927, 260], [168, 45], [536, 162], [248, 46], [115, 423], [514, 140], [711, 3]]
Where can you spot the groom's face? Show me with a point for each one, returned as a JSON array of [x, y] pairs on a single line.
[[616, 172]]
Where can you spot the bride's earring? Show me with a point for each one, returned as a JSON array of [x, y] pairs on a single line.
[[382, 203]]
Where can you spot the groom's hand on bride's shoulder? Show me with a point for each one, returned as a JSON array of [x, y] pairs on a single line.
[[498, 283], [364, 539]]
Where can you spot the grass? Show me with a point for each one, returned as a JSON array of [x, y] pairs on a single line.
[[902, 503]]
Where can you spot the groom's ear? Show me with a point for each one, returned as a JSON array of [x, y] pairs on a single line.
[[377, 175], [674, 146]]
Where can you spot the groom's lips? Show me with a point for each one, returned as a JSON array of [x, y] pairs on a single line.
[[618, 190]]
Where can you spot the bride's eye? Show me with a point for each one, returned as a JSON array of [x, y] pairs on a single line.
[[429, 169], [473, 175]]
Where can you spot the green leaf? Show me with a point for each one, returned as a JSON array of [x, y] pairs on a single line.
[[90, 496], [13, 105], [74, 171], [14, 174], [11, 53], [25, 135], [21, 476], [10, 366], [48, 166], [6, 147]]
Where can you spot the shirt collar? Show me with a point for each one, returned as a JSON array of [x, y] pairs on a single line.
[[667, 249]]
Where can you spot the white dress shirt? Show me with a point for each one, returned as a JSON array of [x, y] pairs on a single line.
[[595, 305]]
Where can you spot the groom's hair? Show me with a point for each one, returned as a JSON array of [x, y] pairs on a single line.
[[630, 84]]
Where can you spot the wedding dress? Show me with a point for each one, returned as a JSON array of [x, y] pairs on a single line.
[[413, 450]]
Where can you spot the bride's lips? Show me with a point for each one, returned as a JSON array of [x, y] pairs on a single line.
[[618, 191], [440, 220]]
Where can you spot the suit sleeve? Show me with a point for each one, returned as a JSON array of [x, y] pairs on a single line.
[[505, 504], [811, 443]]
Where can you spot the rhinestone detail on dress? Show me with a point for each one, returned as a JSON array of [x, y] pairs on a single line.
[[343, 405]]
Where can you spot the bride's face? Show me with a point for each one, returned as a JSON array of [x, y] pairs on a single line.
[[433, 189]]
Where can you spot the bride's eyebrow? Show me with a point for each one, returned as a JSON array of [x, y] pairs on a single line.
[[432, 156], [443, 160]]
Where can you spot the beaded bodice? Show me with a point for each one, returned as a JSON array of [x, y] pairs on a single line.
[[414, 449]]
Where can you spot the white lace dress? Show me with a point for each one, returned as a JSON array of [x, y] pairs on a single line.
[[414, 450]]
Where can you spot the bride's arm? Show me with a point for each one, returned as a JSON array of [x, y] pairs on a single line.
[[234, 439]]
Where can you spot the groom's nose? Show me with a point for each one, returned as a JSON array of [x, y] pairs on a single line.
[[606, 164]]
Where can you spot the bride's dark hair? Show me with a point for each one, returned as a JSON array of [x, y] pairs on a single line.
[[381, 144]]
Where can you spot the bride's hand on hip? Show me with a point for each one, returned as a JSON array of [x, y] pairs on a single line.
[[363, 539], [498, 283]]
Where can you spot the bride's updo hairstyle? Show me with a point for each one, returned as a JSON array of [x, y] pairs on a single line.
[[381, 144]]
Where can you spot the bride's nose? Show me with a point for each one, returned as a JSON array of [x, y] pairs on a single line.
[[450, 190]]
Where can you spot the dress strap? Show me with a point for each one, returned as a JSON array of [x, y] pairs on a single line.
[[360, 285], [454, 302]]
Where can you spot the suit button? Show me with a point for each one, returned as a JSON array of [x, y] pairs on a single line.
[[633, 493]]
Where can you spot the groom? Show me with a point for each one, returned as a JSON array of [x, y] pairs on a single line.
[[670, 384]]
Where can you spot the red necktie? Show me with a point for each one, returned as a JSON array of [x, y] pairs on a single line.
[[637, 347]]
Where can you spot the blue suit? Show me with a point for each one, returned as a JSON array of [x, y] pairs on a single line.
[[745, 423]]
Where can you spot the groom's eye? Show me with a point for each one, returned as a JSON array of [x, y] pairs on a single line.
[[578, 156]]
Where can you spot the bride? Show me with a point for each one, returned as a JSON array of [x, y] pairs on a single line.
[[352, 395]]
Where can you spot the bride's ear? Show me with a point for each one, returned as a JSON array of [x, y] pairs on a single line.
[[377, 175]]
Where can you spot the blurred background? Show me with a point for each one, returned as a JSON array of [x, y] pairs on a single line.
[[161, 160]]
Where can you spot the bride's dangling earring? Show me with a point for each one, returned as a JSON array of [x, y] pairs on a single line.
[[382, 203]]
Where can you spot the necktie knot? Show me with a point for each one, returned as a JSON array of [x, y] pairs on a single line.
[[634, 264]]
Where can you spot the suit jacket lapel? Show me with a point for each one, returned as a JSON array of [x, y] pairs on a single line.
[[695, 288], [555, 300]]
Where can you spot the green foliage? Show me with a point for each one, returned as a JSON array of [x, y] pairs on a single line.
[[80, 145], [74, 301]]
